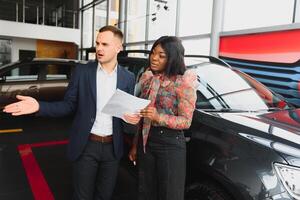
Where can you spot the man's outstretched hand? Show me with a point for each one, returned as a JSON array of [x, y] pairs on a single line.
[[26, 105]]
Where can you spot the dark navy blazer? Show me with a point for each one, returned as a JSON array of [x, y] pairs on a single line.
[[80, 98]]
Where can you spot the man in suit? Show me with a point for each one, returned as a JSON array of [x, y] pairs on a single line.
[[96, 140]]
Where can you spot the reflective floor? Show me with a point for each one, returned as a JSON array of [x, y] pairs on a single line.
[[33, 162]]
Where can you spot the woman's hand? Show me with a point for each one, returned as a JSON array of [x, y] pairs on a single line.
[[132, 118], [150, 112], [132, 154]]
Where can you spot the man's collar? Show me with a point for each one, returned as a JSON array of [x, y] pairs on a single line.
[[100, 67]]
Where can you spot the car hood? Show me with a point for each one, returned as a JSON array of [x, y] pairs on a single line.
[[282, 123], [286, 119], [279, 130]]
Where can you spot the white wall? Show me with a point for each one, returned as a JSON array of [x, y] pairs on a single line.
[[21, 44], [34, 31], [239, 15], [195, 17]]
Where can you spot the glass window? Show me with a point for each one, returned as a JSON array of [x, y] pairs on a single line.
[[34, 12], [200, 46], [22, 73], [150, 46], [5, 51], [58, 72], [91, 56], [100, 17], [162, 20], [87, 28], [240, 15], [219, 94], [136, 20], [195, 17], [135, 47], [56, 13], [8, 9], [114, 12], [85, 2], [135, 62]]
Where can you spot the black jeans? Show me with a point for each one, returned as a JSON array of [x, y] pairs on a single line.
[[162, 167], [95, 172]]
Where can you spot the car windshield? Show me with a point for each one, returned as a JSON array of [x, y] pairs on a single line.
[[226, 89]]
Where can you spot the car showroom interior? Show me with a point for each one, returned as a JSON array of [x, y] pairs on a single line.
[[233, 128]]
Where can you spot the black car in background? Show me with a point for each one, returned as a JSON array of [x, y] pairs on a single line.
[[42, 78], [47, 78], [244, 141]]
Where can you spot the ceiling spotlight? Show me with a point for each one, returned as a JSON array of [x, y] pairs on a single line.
[[166, 7], [153, 19], [157, 6]]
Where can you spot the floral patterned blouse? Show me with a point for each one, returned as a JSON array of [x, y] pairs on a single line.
[[175, 100]]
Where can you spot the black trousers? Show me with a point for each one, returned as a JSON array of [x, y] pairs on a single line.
[[95, 172], [162, 168]]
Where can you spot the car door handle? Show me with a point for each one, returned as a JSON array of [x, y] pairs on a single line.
[[33, 87], [31, 90]]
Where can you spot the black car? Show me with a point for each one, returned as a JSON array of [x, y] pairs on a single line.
[[244, 141]]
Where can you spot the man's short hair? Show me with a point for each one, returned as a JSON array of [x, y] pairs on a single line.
[[117, 32]]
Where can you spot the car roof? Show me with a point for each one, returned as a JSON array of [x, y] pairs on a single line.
[[36, 60]]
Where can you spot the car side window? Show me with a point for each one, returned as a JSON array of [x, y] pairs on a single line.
[[58, 72], [202, 102], [133, 64], [25, 72]]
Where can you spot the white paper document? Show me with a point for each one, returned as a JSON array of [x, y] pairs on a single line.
[[123, 103]]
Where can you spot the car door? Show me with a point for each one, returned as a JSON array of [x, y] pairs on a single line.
[[54, 80], [22, 79]]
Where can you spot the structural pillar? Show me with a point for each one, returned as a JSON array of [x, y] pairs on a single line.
[[216, 26]]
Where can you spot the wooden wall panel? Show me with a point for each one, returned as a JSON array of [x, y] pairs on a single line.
[[54, 49]]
